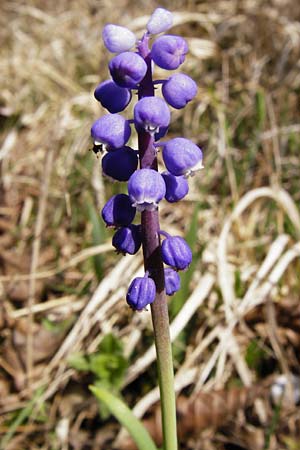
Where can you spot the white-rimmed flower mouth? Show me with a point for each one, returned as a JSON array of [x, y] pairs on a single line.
[[152, 129], [192, 171], [145, 206]]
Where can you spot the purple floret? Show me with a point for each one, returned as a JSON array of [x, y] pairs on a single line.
[[146, 188], [141, 293], [182, 157], [112, 97], [172, 281], [169, 51], [176, 253], [120, 164], [111, 130], [151, 114], [118, 211], [127, 69], [128, 239], [176, 187], [178, 90]]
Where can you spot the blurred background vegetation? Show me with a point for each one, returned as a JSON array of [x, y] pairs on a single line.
[[64, 322]]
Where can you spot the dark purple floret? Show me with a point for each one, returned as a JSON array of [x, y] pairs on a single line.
[[178, 90], [120, 164], [112, 97], [111, 130], [176, 187], [141, 293], [176, 252], [169, 51], [172, 281], [160, 133], [118, 211], [128, 239], [127, 69]]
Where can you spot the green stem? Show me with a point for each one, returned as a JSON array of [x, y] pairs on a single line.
[[160, 319]]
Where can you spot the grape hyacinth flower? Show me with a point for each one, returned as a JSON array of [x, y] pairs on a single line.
[[168, 51], [151, 114], [118, 211], [178, 90], [117, 39], [120, 164], [182, 157], [141, 293], [176, 187], [160, 20], [127, 69], [112, 97], [146, 188], [128, 239], [111, 130], [176, 252], [172, 281], [131, 71]]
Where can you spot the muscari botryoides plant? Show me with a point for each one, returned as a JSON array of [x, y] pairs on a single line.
[[131, 70]]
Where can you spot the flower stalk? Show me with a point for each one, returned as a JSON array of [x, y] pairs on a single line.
[[154, 264]]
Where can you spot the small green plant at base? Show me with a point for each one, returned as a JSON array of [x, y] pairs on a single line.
[[107, 364]]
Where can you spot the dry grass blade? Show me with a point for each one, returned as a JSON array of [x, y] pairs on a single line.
[[83, 325], [284, 200], [35, 257], [74, 260]]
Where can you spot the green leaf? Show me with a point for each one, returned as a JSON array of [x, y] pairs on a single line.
[[108, 367], [79, 362], [134, 427], [261, 109], [111, 344], [109, 364], [21, 417], [255, 356]]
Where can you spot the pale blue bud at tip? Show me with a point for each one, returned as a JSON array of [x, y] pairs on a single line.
[[161, 20], [117, 39]]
